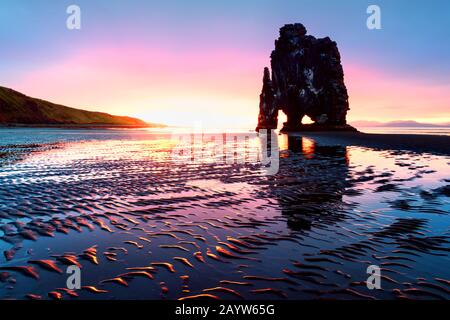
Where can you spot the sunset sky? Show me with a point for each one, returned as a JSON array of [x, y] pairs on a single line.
[[178, 62]]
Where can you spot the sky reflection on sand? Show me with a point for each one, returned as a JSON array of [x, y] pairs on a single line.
[[308, 232]]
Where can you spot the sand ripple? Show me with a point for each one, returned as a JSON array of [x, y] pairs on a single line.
[[142, 227]]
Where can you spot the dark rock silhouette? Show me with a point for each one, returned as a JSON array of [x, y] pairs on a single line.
[[268, 111], [307, 79]]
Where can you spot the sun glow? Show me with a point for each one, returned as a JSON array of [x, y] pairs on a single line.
[[218, 88], [206, 112]]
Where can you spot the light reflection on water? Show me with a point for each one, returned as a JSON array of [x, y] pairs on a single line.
[[310, 231]]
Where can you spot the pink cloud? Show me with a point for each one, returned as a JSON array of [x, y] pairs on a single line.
[[137, 80], [378, 94], [112, 67], [214, 85]]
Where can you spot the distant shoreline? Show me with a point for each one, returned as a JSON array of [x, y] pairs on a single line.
[[81, 126]]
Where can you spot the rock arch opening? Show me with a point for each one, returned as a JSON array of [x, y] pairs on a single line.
[[306, 120], [282, 118]]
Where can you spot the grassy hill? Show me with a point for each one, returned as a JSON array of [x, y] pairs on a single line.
[[17, 108]]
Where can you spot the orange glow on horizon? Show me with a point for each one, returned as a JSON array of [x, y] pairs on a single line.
[[218, 88]]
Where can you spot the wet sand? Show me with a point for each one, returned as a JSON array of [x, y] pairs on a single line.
[[411, 142], [143, 227], [12, 153]]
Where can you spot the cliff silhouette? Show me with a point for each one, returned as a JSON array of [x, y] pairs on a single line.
[[19, 109]]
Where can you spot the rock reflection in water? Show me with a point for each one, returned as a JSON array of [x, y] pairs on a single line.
[[311, 182]]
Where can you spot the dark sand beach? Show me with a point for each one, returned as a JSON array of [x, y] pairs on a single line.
[[414, 142], [142, 226]]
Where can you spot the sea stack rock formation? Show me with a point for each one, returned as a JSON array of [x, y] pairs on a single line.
[[307, 80]]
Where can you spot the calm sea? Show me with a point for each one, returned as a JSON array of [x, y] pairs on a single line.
[[441, 131]]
